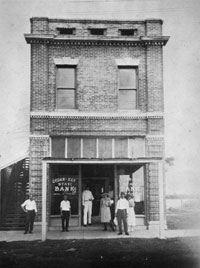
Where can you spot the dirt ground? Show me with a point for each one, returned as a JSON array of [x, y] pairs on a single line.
[[124, 252], [183, 219]]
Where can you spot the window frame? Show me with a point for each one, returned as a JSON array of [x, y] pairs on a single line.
[[129, 67], [66, 66]]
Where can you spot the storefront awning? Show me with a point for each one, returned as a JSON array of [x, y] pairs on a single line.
[[142, 160]]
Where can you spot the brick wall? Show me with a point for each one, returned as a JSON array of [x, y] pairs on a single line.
[[97, 90], [64, 126], [152, 193], [97, 76], [39, 77], [155, 147], [155, 79], [39, 25], [97, 72], [39, 148], [153, 27]]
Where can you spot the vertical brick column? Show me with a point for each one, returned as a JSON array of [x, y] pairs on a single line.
[[39, 148], [153, 27], [152, 196], [155, 78], [39, 77], [39, 25]]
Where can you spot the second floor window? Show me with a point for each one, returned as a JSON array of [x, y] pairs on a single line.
[[127, 96], [65, 83]]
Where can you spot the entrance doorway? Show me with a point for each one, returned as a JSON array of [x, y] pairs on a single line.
[[98, 178], [97, 187]]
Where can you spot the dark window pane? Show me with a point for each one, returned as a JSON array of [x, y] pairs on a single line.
[[65, 78], [73, 147], [67, 31], [127, 78], [58, 147], [127, 99], [65, 98], [105, 148], [97, 31], [89, 148], [121, 148], [128, 32]]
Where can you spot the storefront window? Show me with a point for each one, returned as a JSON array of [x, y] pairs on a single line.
[[64, 179], [131, 180]]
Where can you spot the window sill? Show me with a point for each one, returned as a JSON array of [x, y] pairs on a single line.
[[66, 110]]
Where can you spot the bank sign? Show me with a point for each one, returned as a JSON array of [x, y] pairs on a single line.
[[65, 184]]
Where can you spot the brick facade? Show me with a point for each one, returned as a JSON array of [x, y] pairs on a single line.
[[97, 112]]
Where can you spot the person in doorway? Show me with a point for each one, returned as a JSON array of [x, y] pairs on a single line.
[[105, 213], [87, 199], [112, 208], [29, 206], [131, 213], [122, 209], [65, 213]]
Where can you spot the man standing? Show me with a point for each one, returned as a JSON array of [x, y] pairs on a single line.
[[29, 206], [87, 199], [65, 213], [121, 211]]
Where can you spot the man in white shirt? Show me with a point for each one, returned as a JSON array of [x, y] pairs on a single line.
[[29, 206], [65, 213], [87, 199], [121, 212]]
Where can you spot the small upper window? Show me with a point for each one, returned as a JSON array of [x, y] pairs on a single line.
[[67, 31], [97, 31], [128, 32]]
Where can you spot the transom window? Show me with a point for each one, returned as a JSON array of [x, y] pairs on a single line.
[[127, 97], [97, 31], [65, 82], [66, 31], [128, 32], [101, 147]]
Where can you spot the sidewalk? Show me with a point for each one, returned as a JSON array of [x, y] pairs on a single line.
[[10, 236]]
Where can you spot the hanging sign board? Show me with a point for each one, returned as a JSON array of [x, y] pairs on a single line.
[[65, 184]]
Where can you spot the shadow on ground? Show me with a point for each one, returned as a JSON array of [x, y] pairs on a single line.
[[132, 252]]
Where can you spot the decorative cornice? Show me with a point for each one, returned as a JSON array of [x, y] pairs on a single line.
[[102, 116], [51, 39], [95, 21]]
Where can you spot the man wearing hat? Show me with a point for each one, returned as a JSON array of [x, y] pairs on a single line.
[[121, 211]]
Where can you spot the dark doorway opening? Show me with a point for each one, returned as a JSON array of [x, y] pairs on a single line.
[[98, 177]]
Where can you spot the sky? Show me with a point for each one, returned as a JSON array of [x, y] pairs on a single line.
[[181, 74]]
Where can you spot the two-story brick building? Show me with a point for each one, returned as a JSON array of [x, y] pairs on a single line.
[[96, 114]]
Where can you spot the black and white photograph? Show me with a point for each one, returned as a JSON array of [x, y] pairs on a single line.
[[99, 133]]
